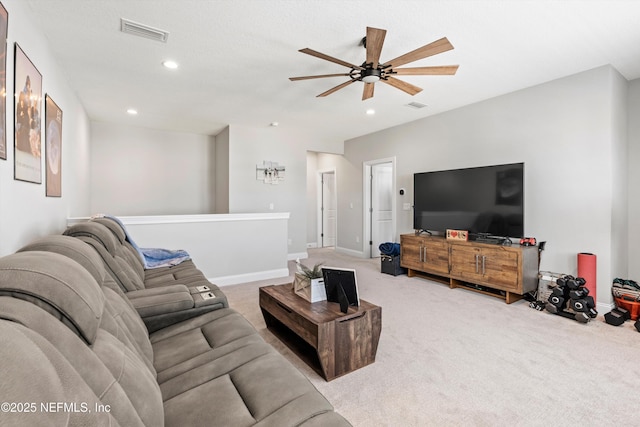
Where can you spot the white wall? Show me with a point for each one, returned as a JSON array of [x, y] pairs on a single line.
[[221, 171], [634, 180], [312, 199], [25, 212], [565, 133], [250, 146], [139, 171]]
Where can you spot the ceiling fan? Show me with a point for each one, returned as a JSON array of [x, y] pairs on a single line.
[[372, 71]]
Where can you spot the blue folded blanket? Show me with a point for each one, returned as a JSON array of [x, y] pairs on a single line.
[[156, 257], [153, 257], [389, 248]]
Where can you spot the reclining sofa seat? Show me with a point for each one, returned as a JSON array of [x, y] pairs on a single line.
[[68, 322], [168, 296], [185, 272]]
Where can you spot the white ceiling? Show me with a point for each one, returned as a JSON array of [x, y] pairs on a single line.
[[236, 56]]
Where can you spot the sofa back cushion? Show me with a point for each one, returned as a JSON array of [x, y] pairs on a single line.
[[122, 320], [93, 327], [59, 285], [130, 253], [115, 257], [34, 373]]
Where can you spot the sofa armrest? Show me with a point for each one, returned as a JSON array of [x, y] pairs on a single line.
[[170, 299]]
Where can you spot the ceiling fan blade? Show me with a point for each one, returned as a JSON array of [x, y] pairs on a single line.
[[368, 91], [293, 79], [442, 70], [329, 58], [337, 88], [402, 85], [375, 39], [434, 48]]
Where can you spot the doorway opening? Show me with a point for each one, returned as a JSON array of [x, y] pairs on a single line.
[[327, 209], [379, 205]]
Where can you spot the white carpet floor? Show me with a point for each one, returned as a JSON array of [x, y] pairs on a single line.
[[452, 357]]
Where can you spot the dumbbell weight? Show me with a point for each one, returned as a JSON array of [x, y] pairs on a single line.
[[579, 305], [575, 283], [582, 317], [554, 310], [617, 316], [556, 301], [578, 293]]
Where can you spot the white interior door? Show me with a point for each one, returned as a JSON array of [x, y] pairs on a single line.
[[381, 206], [328, 209]]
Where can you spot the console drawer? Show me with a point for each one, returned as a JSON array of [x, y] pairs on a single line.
[[292, 320]]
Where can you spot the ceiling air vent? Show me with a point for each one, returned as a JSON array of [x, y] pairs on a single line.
[[416, 105], [141, 30]]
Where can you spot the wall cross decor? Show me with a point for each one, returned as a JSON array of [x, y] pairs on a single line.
[[270, 172]]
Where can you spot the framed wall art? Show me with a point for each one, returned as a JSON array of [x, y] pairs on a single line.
[[27, 112], [4, 23], [53, 147]]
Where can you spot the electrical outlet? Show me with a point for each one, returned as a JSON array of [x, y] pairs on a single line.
[[406, 206], [289, 241], [270, 206], [357, 239]]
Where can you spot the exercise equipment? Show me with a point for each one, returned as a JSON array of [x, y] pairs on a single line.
[[617, 316], [570, 298]]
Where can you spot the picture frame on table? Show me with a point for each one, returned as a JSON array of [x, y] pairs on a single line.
[[53, 147], [27, 114]]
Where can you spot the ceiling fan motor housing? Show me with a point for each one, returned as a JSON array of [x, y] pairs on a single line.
[[370, 75]]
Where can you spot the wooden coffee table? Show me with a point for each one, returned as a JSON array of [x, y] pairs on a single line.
[[331, 342]]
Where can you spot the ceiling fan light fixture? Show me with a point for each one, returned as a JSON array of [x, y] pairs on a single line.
[[370, 75]]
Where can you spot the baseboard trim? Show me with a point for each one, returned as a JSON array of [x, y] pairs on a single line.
[[357, 254], [249, 277], [295, 255], [603, 308]]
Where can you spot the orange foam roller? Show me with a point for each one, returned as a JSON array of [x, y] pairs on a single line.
[[587, 270]]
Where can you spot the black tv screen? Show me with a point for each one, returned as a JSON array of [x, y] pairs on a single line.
[[483, 200]]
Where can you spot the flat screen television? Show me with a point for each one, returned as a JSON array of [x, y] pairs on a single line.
[[485, 200]]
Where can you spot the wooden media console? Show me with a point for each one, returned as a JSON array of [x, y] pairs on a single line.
[[506, 272]]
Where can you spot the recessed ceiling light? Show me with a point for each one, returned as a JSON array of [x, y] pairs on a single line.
[[371, 112], [132, 111], [170, 64], [274, 124]]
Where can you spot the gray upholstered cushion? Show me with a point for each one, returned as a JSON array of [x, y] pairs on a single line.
[[113, 226], [97, 232], [129, 252], [56, 283], [33, 371], [73, 248], [168, 299], [105, 385], [115, 257]]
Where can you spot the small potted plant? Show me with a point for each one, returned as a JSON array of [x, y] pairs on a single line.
[[308, 282]]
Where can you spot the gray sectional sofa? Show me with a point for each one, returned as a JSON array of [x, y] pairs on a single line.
[[75, 350]]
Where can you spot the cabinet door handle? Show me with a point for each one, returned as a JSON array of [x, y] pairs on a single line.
[[477, 267], [483, 261]]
